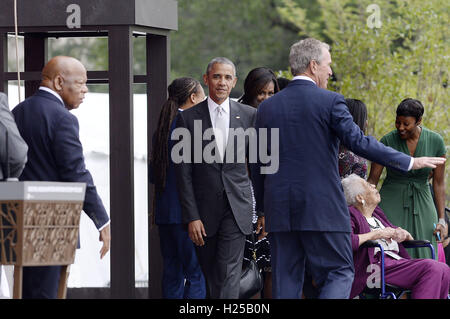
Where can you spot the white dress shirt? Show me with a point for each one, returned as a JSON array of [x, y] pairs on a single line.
[[303, 77], [46, 89]]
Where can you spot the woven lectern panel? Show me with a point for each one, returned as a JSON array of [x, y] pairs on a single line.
[[46, 233], [8, 231], [50, 233]]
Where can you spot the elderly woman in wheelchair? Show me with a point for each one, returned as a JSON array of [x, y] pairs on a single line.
[[372, 235]]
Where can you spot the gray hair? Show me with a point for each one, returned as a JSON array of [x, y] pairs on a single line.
[[353, 186], [303, 52], [221, 60]]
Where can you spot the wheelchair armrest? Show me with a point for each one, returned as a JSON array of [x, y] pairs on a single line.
[[406, 243], [369, 244], [420, 243], [415, 243]]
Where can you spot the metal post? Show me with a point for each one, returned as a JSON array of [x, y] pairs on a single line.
[[158, 73], [3, 62], [121, 162], [35, 59]]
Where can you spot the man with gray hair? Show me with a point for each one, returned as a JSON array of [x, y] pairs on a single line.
[[305, 211]]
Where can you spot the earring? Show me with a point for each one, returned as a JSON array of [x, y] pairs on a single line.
[[363, 202]]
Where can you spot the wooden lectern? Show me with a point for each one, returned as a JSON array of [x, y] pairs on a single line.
[[39, 226]]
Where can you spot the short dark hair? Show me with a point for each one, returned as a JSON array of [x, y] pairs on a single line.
[[221, 60], [411, 107], [358, 110]]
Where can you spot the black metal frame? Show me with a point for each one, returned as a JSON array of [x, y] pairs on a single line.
[[121, 79]]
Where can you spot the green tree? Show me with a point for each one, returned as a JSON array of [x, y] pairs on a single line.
[[407, 56], [248, 32]]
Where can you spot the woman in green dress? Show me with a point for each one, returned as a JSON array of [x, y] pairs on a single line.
[[406, 197]]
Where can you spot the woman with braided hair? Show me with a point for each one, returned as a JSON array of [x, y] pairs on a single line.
[[182, 276]]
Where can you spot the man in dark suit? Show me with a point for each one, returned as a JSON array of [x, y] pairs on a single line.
[[56, 154], [305, 211], [214, 187]]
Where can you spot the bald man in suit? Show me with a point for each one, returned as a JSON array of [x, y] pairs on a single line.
[[56, 154]]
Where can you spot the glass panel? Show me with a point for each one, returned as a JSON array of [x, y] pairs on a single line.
[[140, 186], [140, 62], [93, 116], [92, 52], [12, 61], [13, 94]]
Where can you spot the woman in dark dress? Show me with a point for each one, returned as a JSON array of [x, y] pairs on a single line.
[[259, 85]]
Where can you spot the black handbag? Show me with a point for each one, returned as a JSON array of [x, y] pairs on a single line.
[[251, 277]]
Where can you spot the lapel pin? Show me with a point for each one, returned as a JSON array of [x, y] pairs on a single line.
[[238, 117]]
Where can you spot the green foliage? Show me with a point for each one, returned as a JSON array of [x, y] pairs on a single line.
[[406, 57], [92, 52], [248, 32]]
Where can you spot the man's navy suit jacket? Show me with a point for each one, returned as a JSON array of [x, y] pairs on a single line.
[[306, 193], [55, 152]]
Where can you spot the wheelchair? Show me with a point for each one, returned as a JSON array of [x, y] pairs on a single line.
[[387, 291]]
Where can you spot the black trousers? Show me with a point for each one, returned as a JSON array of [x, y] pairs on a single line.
[[221, 258], [40, 282]]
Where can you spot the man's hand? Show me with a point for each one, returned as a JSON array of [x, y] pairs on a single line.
[[196, 232], [261, 227], [421, 162], [105, 237]]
